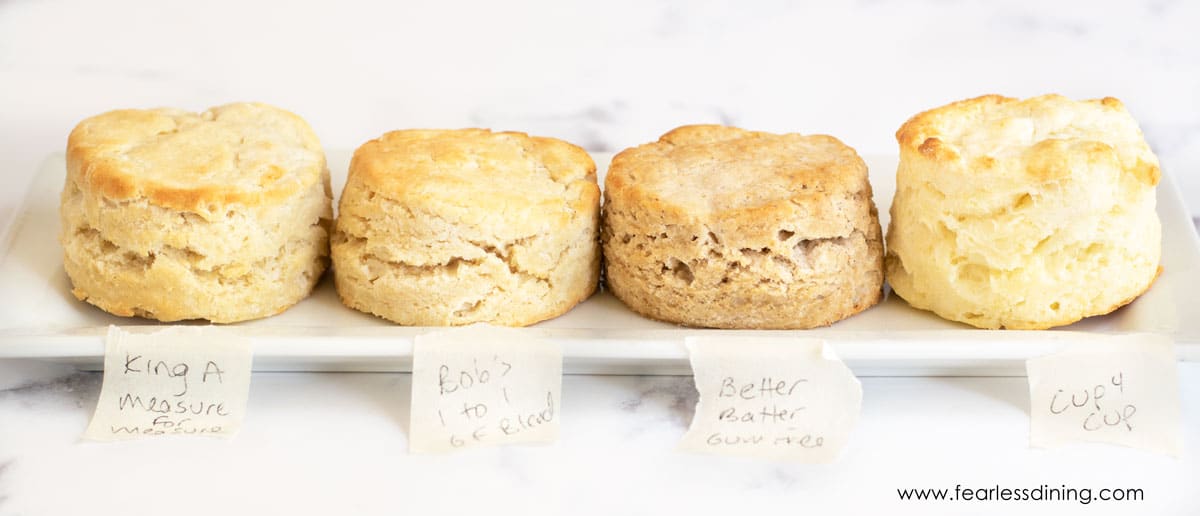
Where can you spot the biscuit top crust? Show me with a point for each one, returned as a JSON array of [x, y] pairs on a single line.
[[244, 154], [709, 171], [985, 129], [465, 169]]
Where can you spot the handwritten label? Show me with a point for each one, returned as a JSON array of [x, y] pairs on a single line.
[[483, 386], [773, 398], [179, 381], [1120, 390]]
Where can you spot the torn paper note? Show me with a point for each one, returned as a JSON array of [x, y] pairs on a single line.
[[1111, 389], [183, 380], [484, 386], [775, 398]]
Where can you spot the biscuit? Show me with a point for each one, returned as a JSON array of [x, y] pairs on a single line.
[[1023, 214], [169, 215], [453, 227], [721, 227]]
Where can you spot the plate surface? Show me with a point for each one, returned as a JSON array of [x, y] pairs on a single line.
[[40, 319]]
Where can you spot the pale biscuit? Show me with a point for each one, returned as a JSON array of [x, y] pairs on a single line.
[[169, 215], [452, 227], [1023, 214], [720, 227]]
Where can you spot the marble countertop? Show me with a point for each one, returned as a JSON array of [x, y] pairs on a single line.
[[606, 76], [334, 443]]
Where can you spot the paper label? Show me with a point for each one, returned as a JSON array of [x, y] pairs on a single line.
[[1120, 390], [773, 398], [182, 380], [483, 386]]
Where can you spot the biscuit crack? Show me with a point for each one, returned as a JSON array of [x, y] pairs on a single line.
[[506, 254], [469, 307], [448, 267]]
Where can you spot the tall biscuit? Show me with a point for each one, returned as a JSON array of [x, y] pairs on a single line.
[[169, 215], [721, 227], [1024, 214], [453, 227]]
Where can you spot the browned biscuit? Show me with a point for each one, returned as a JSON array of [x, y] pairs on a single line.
[[721, 227]]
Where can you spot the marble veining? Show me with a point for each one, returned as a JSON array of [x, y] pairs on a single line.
[[606, 77], [319, 442]]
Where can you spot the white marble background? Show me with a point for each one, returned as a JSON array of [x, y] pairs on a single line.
[[605, 75], [602, 74], [335, 444]]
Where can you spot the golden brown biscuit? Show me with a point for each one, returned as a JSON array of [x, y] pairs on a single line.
[[722, 227], [452, 227], [221, 215], [1024, 214]]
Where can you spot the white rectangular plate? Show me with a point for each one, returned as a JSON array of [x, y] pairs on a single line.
[[40, 319]]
